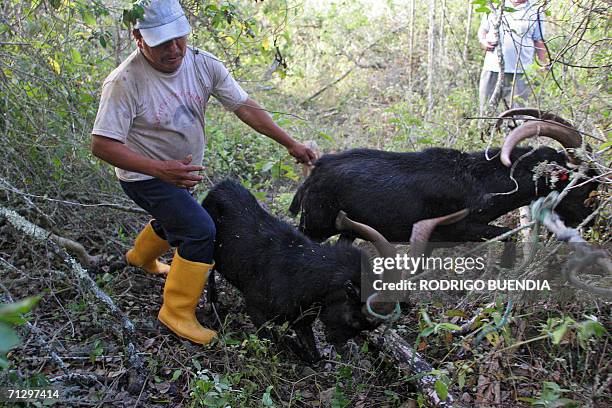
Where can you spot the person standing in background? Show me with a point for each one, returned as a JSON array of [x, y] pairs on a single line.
[[521, 36]]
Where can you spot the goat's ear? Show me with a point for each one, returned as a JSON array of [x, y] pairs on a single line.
[[351, 290]]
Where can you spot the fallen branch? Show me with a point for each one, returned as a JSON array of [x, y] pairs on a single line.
[[138, 371], [34, 230], [412, 364]]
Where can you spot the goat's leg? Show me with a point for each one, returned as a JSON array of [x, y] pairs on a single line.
[[212, 298], [261, 323], [508, 256], [211, 288], [303, 344]]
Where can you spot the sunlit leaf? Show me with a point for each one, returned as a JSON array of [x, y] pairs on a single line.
[[88, 18], [265, 44], [55, 66], [75, 56]]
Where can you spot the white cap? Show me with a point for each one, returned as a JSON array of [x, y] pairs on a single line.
[[163, 21]]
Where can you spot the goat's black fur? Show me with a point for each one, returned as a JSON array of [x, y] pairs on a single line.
[[391, 191], [282, 274]]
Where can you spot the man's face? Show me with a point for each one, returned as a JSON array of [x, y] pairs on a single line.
[[165, 57]]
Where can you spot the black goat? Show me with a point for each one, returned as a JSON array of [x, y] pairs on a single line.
[[283, 275], [392, 191]]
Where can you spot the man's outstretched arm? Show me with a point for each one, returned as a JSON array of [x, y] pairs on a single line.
[[251, 113]]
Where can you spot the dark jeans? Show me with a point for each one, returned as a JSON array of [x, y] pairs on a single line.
[[179, 218]]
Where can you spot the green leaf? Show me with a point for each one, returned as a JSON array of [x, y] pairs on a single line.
[[449, 326], [176, 375], [461, 379], [137, 11], [605, 145], [441, 389], [266, 399], [588, 329], [455, 313], [427, 331], [8, 338], [196, 364], [267, 166], [88, 18], [425, 317], [483, 9], [12, 312], [76, 56], [558, 334], [326, 137]]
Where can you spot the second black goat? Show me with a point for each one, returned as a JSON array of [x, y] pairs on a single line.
[[392, 191], [283, 275]]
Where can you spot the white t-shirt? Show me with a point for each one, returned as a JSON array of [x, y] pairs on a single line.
[[517, 42], [161, 115]]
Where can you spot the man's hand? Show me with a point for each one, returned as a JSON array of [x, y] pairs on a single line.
[[302, 153], [488, 40], [179, 172], [487, 46]]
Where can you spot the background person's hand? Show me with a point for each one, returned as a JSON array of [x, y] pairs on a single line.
[[489, 42], [180, 172]]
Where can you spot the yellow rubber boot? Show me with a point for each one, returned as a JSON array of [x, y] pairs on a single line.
[[148, 246], [184, 285]]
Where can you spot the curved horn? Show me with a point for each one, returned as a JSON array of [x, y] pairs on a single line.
[[379, 304], [422, 230], [533, 112], [384, 248], [568, 137]]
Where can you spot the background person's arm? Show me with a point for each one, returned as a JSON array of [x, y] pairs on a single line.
[[176, 172], [540, 50]]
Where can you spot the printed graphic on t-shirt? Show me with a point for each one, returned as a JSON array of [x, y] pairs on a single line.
[[178, 111]]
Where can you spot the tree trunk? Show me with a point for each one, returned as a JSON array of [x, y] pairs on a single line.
[[491, 107], [441, 34], [430, 64], [467, 32], [411, 44]]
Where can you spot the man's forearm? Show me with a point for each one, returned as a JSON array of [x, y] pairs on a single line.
[[177, 172], [259, 120], [117, 154]]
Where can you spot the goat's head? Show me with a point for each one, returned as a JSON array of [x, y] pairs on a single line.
[[572, 209], [345, 313]]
